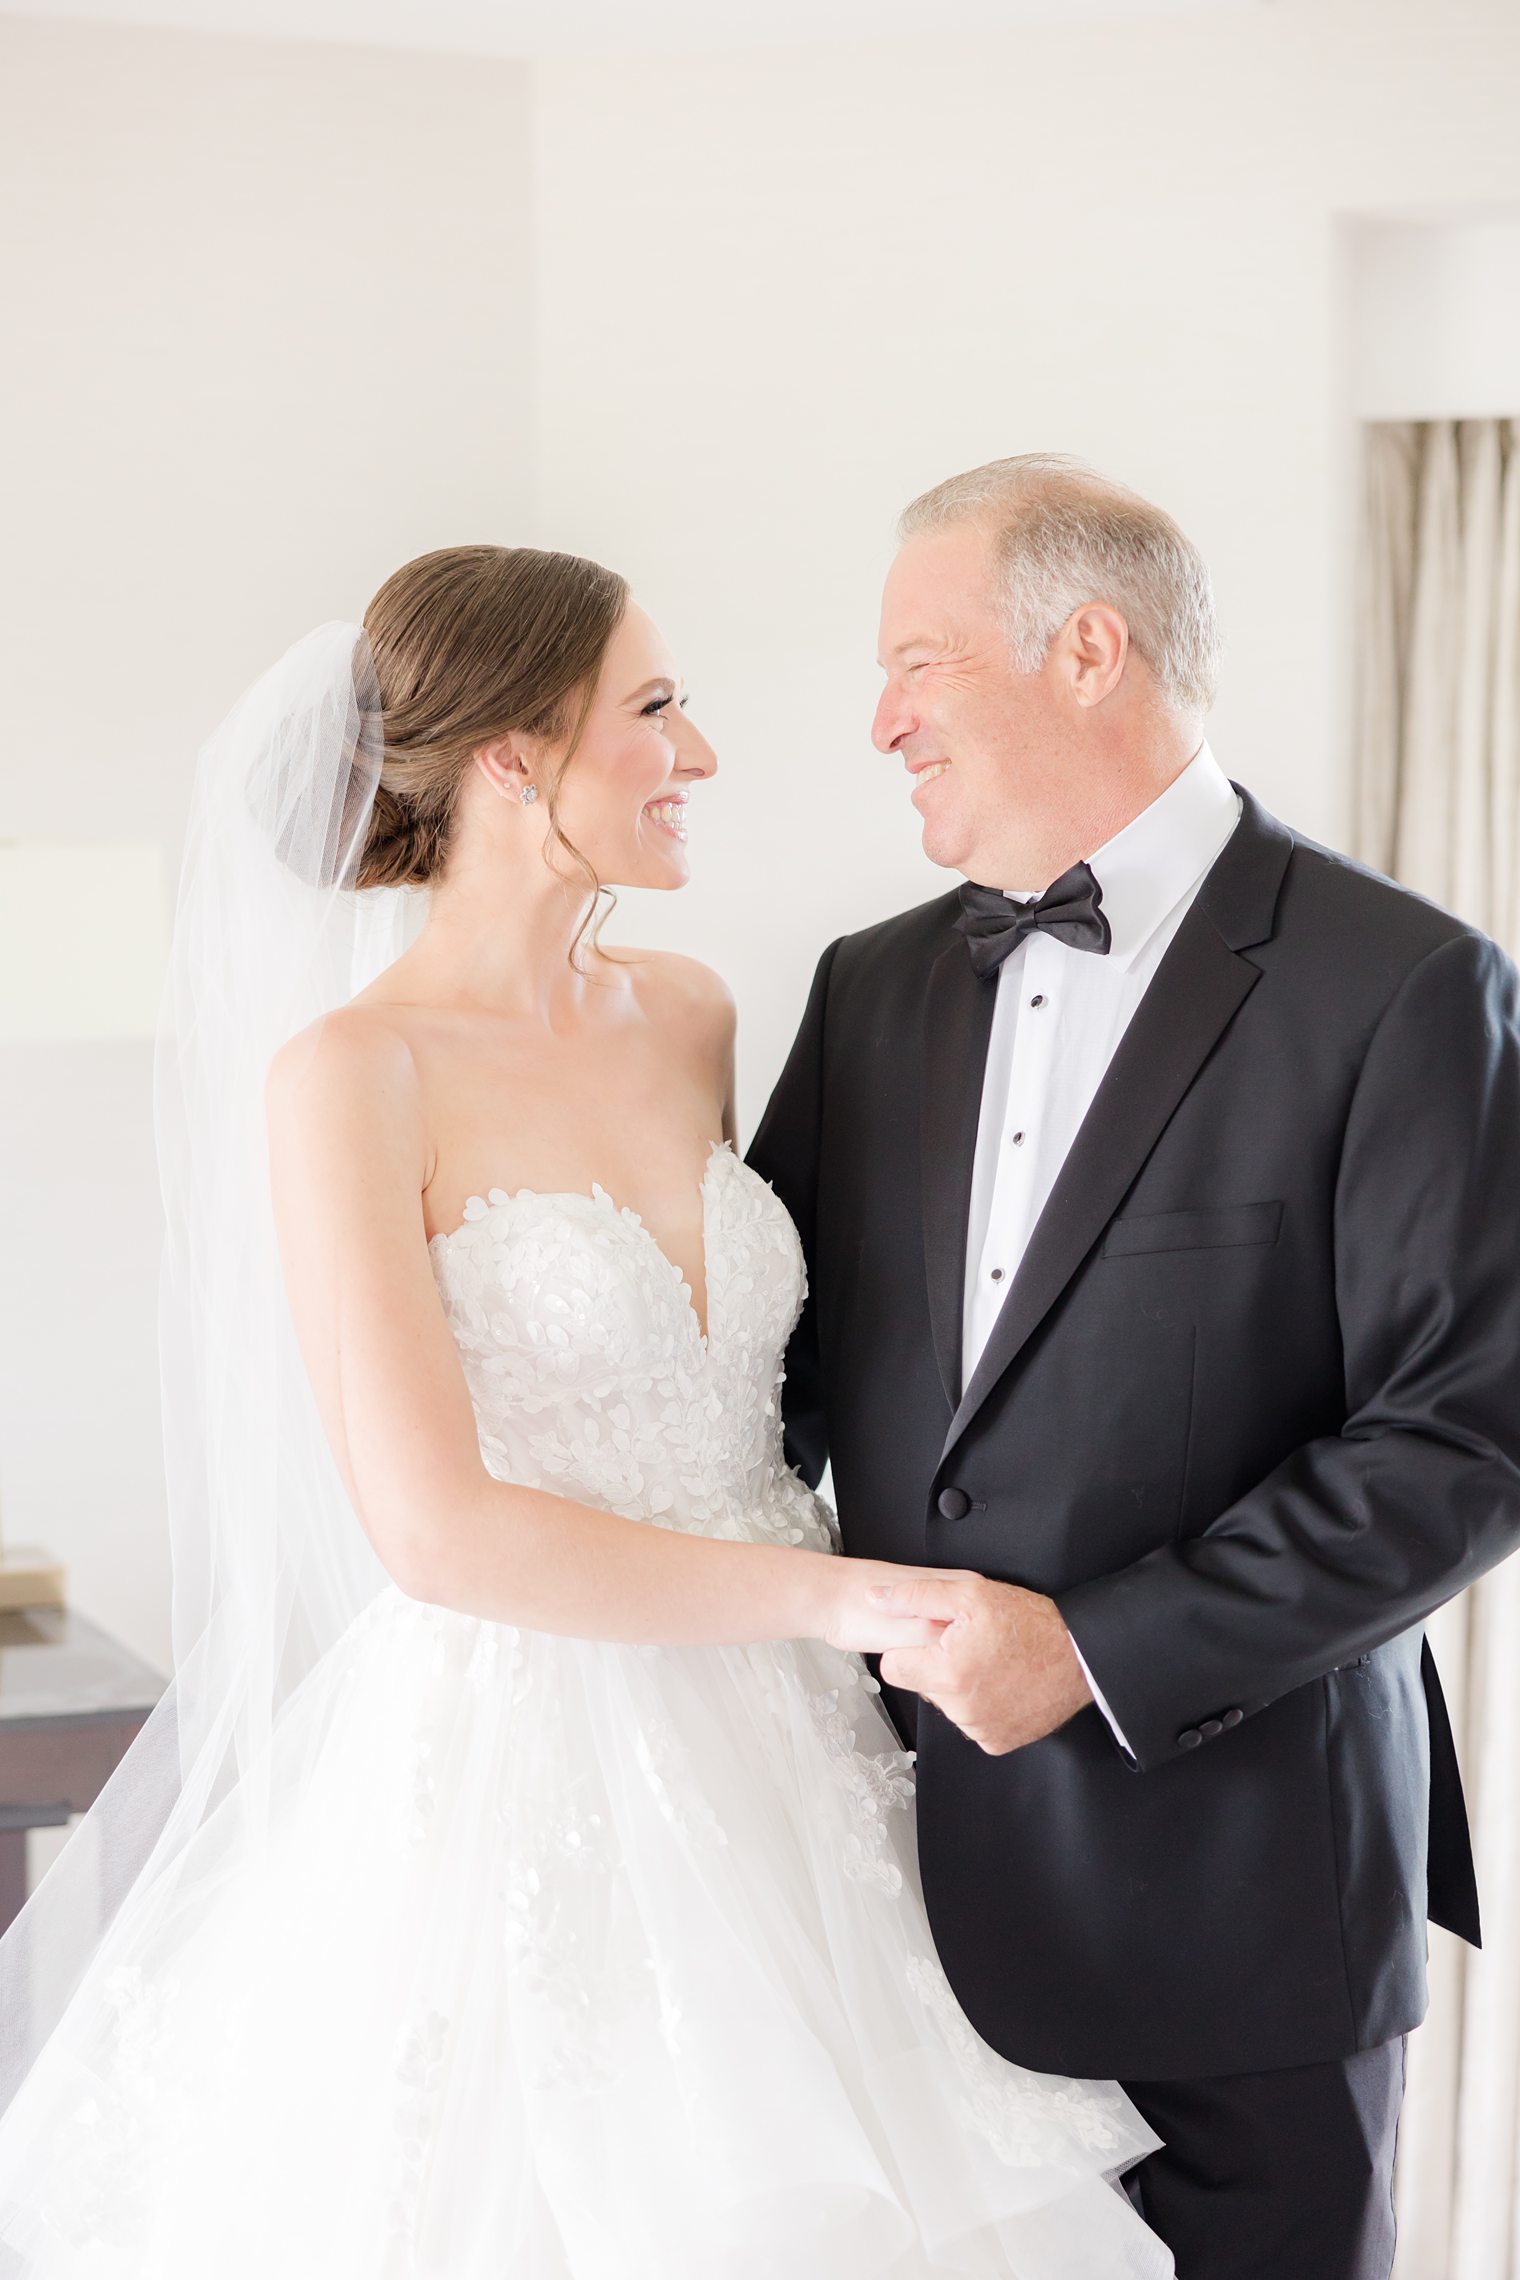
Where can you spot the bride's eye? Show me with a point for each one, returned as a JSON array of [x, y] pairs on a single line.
[[656, 706]]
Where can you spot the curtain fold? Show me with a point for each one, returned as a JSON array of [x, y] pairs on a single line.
[[1438, 806]]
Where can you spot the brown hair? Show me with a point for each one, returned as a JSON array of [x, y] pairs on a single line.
[[468, 643]]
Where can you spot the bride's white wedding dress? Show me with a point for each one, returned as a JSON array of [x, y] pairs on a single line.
[[569, 1961]]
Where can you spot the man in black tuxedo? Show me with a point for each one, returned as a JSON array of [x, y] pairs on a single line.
[[1163, 1235]]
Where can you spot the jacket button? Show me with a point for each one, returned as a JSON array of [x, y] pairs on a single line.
[[1231, 1717], [954, 1504], [1189, 1738], [1210, 1727]]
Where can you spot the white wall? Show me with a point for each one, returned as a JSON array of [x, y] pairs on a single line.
[[780, 293], [1434, 314], [266, 313]]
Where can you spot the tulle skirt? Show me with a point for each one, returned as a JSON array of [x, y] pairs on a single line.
[[555, 1961]]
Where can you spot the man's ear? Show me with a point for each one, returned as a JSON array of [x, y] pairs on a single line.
[[1094, 645]]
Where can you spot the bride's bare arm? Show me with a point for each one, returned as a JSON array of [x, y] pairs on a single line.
[[347, 1152]]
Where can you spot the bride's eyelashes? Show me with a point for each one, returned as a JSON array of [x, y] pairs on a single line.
[[658, 705]]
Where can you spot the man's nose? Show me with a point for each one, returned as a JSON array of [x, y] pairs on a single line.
[[893, 721]]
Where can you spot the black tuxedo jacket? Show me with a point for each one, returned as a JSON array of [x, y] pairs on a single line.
[[1249, 1413]]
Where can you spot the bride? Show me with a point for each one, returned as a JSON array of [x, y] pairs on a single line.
[[519, 1877]]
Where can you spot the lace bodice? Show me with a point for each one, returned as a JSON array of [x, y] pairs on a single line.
[[588, 1369]]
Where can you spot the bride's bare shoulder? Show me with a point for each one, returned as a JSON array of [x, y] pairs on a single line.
[[355, 1060], [347, 1133], [672, 986]]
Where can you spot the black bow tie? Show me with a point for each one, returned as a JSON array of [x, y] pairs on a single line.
[[1071, 910]]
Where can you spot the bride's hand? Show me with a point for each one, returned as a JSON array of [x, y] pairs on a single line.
[[851, 1621]]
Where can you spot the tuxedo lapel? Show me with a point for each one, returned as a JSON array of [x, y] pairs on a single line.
[[1198, 988], [957, 1025]]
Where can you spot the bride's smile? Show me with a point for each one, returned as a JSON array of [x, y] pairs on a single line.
[[669, 814]]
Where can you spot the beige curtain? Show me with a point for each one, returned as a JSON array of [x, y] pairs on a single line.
[[1438, 806]]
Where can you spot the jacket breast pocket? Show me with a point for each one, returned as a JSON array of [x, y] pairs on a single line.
[[1227, 1229]]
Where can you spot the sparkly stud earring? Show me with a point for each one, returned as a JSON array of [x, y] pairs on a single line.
[[529, 794]]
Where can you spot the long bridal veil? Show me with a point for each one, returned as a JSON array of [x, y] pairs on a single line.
[[270, 1566]]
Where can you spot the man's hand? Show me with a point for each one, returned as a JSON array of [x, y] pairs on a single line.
[[1003, 1669]]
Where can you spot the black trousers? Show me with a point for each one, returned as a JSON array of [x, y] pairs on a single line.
[[1281, 2176]]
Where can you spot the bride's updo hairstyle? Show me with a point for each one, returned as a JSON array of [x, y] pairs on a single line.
[[469, 643]]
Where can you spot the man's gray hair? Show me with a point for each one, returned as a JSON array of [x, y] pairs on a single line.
[[1065, 535]]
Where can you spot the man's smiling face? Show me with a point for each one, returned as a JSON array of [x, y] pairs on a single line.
[[983, 743]]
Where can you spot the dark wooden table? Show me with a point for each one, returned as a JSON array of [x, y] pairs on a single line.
[[71, 1700]]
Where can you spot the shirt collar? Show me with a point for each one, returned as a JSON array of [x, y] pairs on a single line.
[[1147, 868]]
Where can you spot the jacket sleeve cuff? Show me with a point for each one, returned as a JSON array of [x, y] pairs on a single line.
[[1111, 1620]]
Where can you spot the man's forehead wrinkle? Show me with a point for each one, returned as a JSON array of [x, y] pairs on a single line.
[[918, 641], [949, 641]]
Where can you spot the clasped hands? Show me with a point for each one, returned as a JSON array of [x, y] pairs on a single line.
[[997, 1660]]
